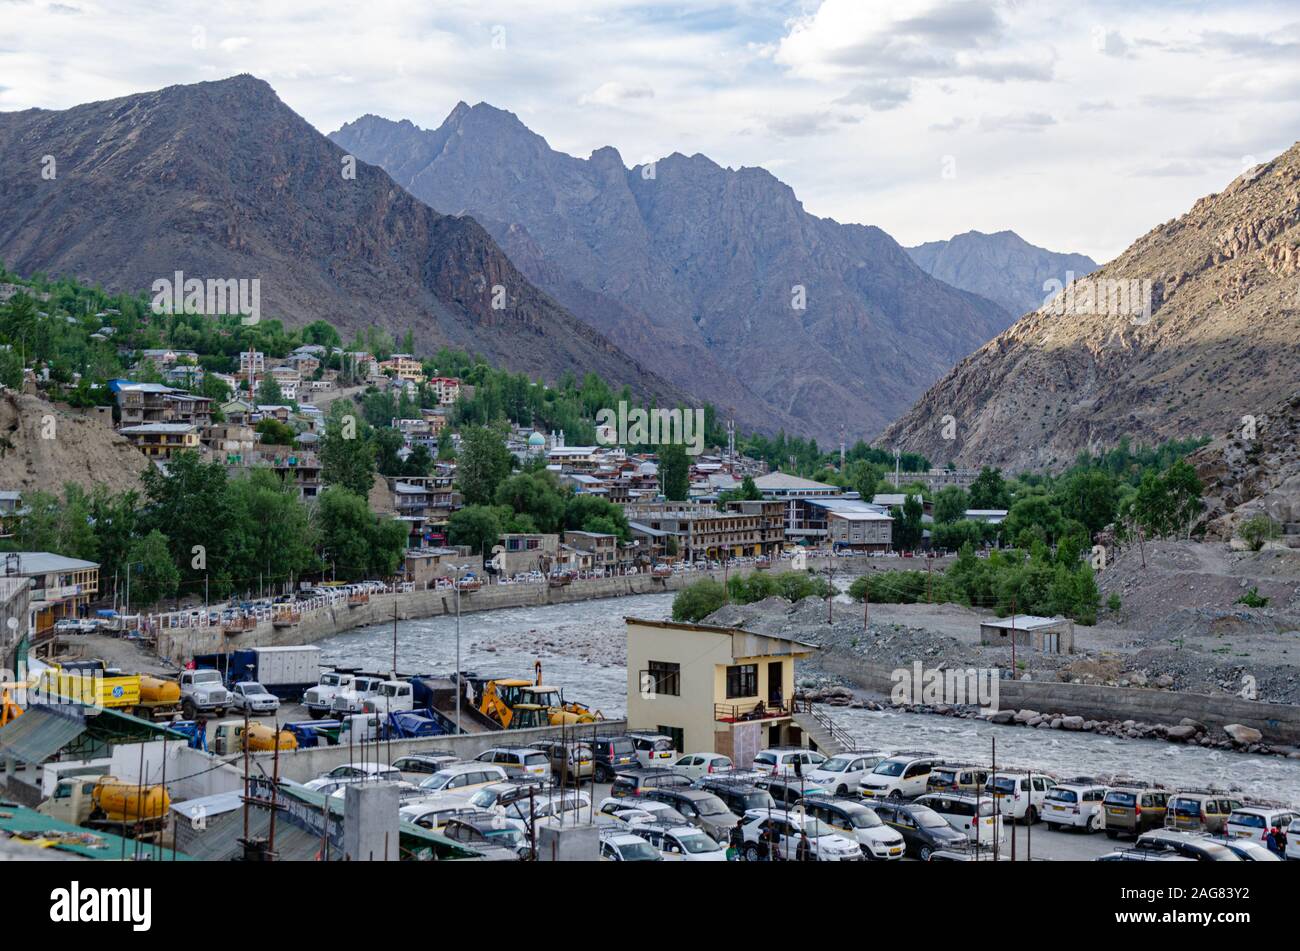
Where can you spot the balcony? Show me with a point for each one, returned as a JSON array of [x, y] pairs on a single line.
[[750, 710]]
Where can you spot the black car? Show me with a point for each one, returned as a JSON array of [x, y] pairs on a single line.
[[701, 808], [924, 831], [740, 797], [485, 832], [610, 755], [636, 782]]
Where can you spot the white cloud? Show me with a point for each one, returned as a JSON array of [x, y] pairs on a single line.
[[614, 93]]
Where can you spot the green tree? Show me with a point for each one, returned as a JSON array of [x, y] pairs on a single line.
[[154, 575], [275, 433], [989, 490], [907, 529], [483, 464], [537, 495], [697, 601], [674, 472], [478, 526], [950, 504], [347, 453]]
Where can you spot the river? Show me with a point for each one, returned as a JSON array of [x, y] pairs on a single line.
[[581, 647]]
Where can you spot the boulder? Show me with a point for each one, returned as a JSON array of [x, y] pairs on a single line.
[[1242, 735], [1024, 716], [1071, 723], [1181, 733], [1002, 716]]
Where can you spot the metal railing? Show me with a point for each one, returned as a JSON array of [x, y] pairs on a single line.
[[751, 710], [837, 732]]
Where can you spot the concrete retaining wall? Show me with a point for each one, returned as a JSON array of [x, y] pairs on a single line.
[[1278, 722], [180, 644], [302, 765]]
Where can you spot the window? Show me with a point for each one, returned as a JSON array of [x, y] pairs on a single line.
[[742, 681], [665, 678]]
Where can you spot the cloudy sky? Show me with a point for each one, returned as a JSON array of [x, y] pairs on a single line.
[[1080, 125]]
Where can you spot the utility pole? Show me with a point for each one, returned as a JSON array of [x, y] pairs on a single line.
[[394, 638], [1013, 646]]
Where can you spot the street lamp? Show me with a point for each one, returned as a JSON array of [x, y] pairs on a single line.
[[458, 569]]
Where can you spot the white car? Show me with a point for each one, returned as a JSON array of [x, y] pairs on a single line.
[[695, 765], [1020, 797], [902, 776], [780, 761], [959, 810], [253, 697], [856, 821], [788, 831], [629, 810], [843, 771], [433, 813], [1293, 841], [1253, 822], [350, 773], [463, 777], [619, 846], [653, 749], [683, 843], [1075, 806]]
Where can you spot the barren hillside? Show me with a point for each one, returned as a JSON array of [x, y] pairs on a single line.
[[43, 447]]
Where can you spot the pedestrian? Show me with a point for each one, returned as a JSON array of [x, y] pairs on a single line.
[[735, 842], [1281, 841], [1270, 840], [763, 849], [804, 852]]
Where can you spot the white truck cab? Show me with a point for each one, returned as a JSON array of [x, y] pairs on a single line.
[[203, 691], [320, 698], [393, 696]]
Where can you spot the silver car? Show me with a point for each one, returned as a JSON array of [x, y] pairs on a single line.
[[253, 697]]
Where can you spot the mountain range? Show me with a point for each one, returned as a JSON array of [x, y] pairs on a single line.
[[1003, 267], [1192, 331], [222, 180], [700, 270]]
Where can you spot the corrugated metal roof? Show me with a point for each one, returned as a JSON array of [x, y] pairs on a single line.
[[41, 732]]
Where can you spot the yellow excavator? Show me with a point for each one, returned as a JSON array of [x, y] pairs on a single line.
[[517, 703]]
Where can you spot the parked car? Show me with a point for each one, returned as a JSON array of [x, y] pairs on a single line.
[[1248, 850], [568, 760], [1075, 806], [432, 814], [349, 773], [843, 771], [512, 790], [557, 807], [518, 760], [253, 697], [739, 795], [1158, 853], [640, 809], [482, 830], [1192, 844], [682, 842], [653, 749], [853, 820], [416, 766], [901, 776], [1134, 810], [637, 781], [463, 777], [700, 807], [956, 777], [611, 754], [1019, 796], [1197, 811], [788, 761], [1293, 841], [1253, 822], [924, 831], [787, 790], [975, 817], [695, 765], [791, 835], [620, 846]]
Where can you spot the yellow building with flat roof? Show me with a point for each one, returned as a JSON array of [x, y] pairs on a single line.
[[712, 689]]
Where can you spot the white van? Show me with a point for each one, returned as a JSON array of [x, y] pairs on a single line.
[[902, 776], [1020, 796]]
